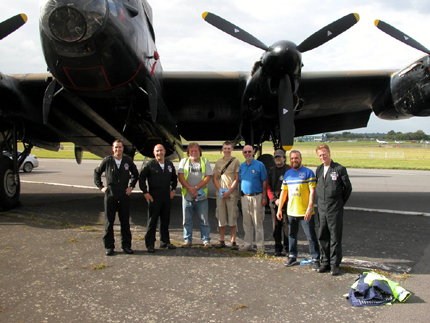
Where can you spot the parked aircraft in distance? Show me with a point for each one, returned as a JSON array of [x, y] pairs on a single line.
[[106, 82], [383, 142]]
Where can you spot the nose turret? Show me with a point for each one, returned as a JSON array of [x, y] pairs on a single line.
[[72, 21]]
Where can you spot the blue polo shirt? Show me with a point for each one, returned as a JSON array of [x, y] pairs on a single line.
[[252, 176]]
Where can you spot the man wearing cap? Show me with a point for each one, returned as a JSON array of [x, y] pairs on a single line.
[[253, 188], [274, 183]]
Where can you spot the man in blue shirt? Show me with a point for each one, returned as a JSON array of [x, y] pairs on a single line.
[[253, 191]]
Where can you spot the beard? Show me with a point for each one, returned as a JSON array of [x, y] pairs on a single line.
[[296, 166]]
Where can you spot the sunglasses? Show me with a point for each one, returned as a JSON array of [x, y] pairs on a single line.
[[247, 151]]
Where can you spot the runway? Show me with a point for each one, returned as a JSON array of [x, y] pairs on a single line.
[[374, 190], [54, 268]]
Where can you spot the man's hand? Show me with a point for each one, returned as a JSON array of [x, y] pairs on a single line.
[[193, 191], [128, 190], [104, 189], [148, 197], [263, 201], [279, 214], [308, 215], [172, 194], [226, 195]]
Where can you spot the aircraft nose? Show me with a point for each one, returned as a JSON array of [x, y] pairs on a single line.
[[72, 21]]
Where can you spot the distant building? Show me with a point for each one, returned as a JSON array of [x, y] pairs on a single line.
[[313, 138]]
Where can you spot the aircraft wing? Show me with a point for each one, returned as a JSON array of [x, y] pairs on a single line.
[[207, 105]]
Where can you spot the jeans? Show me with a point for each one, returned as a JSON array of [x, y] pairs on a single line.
[[201, 208], [309, 228]]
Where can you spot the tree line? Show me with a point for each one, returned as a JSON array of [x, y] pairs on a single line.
[[391, 135]]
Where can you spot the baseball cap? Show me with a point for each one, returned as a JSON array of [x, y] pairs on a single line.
[[279, 153]]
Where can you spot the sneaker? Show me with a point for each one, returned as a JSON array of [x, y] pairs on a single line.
[[290, 262], [167, 245], [207, 245], [234, 246], [316, 265], [277, 253], [220, 244], [186, 244]]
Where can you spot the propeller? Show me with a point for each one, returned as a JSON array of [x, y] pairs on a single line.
[[329, 32], [233, 30], [286, 113], [283, 60], [395, 33], [10, 25]]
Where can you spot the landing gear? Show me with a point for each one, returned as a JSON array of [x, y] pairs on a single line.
[[10, 186]]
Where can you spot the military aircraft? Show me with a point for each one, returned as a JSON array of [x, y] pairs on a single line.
[[106, 82]]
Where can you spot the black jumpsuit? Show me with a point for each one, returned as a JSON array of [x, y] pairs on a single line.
[[116, 199], [274, 181], [160, 183], [333, 191]]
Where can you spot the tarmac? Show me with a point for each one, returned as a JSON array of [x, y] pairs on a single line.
[[54, 268]]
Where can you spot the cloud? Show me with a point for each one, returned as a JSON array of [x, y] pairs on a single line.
[[186, 42]]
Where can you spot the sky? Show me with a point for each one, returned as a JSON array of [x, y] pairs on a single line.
[[186, 42]]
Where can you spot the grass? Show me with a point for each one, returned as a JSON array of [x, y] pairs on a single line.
[[360, 154], [98, 267]]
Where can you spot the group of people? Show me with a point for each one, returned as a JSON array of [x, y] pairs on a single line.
[[290, 191]]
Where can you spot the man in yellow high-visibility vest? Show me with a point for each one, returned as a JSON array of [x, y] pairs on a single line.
[[194, 174]]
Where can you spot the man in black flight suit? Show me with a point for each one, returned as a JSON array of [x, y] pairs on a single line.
[[162, 180], [119, 171], [333, 191]]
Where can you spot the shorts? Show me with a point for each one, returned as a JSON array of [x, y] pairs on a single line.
[[227, 212]]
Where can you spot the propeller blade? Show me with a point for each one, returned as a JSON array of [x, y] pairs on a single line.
[[233, 30], [286, 113], [329, 32], [395, 33], [10, 25]]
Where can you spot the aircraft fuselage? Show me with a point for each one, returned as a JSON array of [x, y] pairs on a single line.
[[99, 47]]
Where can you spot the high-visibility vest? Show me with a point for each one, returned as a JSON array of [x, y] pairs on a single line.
[[186, 173]]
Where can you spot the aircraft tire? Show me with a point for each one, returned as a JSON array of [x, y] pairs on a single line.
[[9, 192], [267, 160]]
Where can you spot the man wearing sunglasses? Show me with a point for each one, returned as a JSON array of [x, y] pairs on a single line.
[[253, 191]]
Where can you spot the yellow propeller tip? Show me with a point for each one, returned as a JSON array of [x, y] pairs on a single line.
[[287, 148], [376, 22], [24, 17], [204, 14], [357, 16]]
